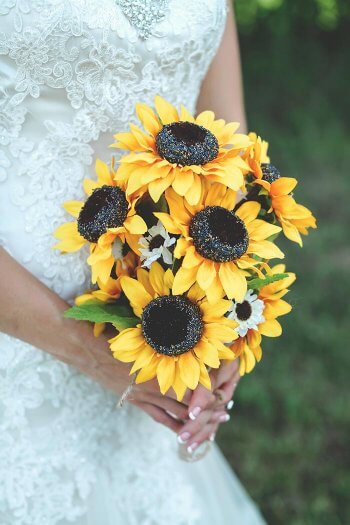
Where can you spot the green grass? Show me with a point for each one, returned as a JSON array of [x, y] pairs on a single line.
[[289, 431]]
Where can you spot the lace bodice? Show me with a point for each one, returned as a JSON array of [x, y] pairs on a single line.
[[71, 72]]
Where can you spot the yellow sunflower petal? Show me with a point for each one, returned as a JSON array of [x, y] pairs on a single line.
[[157, 187], [135, 292], [166, 373], [215, 292], [182, 182], [165, 110], [73, 207], [156, 279], [283, 186], [248, 359], [179, 386], [270, 328], [184, 279], [143, 359], [275, 309], [148, 118], [248, 211], [265, 249], [181, 250], [204, 377], [189, 370], [128, 339], [148, 372], [207, 353], [143, 277], [259, 230], [103, 173], [213, 311], [135, 225], [70, 238], [193, 194], [233, 281], [168, 223], [218, 331], [169, 279], [206, 274], [185, 115], [89, 186]]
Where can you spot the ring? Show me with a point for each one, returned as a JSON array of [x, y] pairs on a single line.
[[217, 393]]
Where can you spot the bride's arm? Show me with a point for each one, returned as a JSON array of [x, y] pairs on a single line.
[[33, 313], [222, 88]]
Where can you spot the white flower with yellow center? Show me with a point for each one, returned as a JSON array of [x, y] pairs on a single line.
[[155, 245], [248, 314]]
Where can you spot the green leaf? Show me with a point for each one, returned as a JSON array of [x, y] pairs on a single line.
[[97, 312], [257, 284], [125, 322]]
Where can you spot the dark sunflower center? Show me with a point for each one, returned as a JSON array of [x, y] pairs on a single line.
[[218, 234], [156, 242], [243, 310], [270, 173], [186, 143], [106, 207], [172, 325]]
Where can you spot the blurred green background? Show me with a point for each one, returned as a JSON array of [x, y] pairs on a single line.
[[288, 438]]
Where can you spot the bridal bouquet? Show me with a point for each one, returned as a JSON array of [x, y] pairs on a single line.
[[180, 235]]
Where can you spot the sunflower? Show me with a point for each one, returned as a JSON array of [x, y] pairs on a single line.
[[107, 220], [178, 335], [256, 154], [256, 316], [218, 245], [293, 217], [179, 151], [111, 290]]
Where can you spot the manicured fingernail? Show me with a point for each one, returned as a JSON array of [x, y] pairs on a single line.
[[192, 448], [235, 386], [182, 438], [230, 404], [212, 437], [224, 418], [195, 413]]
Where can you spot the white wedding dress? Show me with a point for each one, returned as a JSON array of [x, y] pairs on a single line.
[[71, 72]]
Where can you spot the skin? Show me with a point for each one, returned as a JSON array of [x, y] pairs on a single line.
[[33, 313]]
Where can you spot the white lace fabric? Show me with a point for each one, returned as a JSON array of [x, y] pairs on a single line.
[[71, 72]]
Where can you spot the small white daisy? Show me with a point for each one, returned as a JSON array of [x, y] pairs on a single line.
[[248, 314], [155, 245]]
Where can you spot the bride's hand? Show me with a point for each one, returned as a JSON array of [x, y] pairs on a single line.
[[114, 375], [207, 409]]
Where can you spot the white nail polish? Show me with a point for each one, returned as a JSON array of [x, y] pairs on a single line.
[[212, 437], [230, 404], [224, 418], [195, 413], [192, 448], [182, 438]]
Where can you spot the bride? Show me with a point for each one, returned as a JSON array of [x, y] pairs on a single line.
[[71, 72]]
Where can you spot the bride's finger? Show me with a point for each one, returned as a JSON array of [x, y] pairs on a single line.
[[203, 435], [201, 399], [158, 415], [191, 428], [166, 403]]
